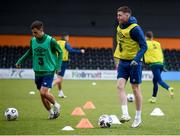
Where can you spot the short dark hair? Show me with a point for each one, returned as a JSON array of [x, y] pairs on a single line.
[[63, 35], [37, 24], [125, 9], [149, 34]]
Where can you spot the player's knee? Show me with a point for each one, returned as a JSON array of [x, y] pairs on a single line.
[[121, 84], [160, 81], [43, 92], [154, 80], [120, 87], [135, 88], [58, 80]]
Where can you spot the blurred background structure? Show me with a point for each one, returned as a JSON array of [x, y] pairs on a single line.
[[91, 24]]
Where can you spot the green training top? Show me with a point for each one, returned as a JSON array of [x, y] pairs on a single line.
[[46, 55]]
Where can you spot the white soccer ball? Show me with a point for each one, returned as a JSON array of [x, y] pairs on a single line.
[[130, 97], [11, 114], [105, 121]]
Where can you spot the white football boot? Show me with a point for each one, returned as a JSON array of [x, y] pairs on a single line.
[[57, 108], [136, 123], [124, 118]]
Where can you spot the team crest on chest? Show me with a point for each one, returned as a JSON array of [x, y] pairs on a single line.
[[120, 34], [39, 51]]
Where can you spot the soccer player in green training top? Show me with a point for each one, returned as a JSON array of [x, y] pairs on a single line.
[[47, 58]]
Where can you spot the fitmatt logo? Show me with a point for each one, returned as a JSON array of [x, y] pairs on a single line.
[[86, 75]]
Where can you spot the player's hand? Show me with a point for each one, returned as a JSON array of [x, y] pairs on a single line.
[[116, 66], [82, 51], [133, 63], [18, 66], [58, 71], [164, 69]]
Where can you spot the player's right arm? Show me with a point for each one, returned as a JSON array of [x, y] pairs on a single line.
[[116, 56], [24, 57], [117, 51]]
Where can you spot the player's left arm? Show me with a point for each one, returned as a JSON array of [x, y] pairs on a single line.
[[138, 35], [55, 46]]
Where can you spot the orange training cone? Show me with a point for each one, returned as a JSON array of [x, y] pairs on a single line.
[[78, 112], [84, 123], [89, 105]]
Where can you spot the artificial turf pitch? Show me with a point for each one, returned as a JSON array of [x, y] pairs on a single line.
[[33, 120]]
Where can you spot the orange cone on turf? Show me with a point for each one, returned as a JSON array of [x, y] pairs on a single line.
[[89, 105], [78, 112], [84, 123]]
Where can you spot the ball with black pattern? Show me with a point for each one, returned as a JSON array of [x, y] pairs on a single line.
[[11, 114], [105, 121]]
